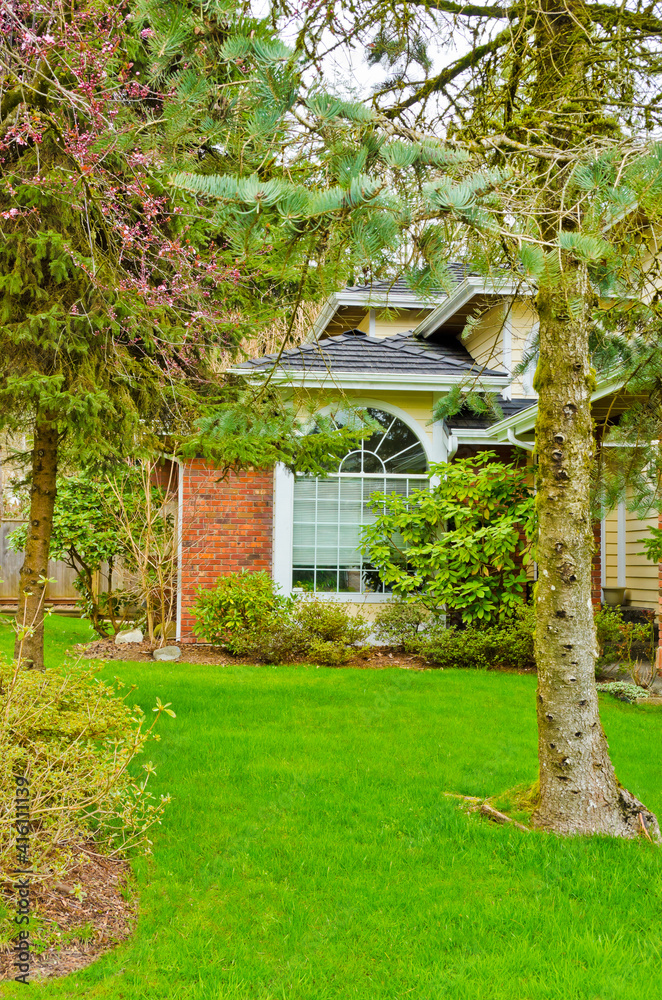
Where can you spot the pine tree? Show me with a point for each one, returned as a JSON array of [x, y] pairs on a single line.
[[108, 299], [533, 164]]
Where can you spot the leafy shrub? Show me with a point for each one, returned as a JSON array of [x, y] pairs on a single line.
[[623, 690], [240, 605], [73, 738], [400, 623], [246, 616], [329, 634], [628, 641], [463, 545], [607, 627], [506, 646]]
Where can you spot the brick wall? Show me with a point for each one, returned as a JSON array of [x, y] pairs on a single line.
[[227, 526]]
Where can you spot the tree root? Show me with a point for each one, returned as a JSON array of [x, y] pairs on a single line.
[[638, 820], [483, 807]]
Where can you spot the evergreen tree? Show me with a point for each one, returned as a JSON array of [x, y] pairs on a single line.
[[532, 163]]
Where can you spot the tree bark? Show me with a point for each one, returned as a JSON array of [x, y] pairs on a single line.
[[579, 792], [34, 572]]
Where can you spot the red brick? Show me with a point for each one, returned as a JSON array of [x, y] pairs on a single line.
[[226, 527]]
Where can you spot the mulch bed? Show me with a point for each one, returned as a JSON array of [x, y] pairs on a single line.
[[199, 652], [90, 904]]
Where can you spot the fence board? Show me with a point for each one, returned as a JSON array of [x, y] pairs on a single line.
[[10, 567]]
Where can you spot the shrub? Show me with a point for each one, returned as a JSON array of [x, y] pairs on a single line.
[[239, 606], [462, 545], [506, 646], [400, 623], [628, 641], [623, 690], [73, 739], [329, 634], [321, 631]]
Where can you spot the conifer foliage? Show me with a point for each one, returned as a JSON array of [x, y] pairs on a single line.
[[107, 298]]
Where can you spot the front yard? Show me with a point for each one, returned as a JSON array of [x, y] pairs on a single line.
[[309, 852]]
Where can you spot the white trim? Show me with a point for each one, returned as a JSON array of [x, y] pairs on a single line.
[[603, 553], [407, 381], [372, 322], [527, 445], [281, 560], [525, 420], [467, 290], [621, 536], [507, 345], [180, 532]]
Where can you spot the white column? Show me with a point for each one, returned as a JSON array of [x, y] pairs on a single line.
[[507, 344], [282, 538]]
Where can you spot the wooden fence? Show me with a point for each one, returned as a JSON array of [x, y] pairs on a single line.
[[61, 591]]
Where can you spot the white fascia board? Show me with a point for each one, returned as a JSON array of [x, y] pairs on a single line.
[[368, 380], [470, 287], [473, 435], [525, 420], [369, 299]]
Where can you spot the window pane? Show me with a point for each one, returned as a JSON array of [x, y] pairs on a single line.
[[329, 513], [303, 579]]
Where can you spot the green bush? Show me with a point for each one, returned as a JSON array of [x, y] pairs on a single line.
[[622, 640], [318, 631], [71, 739], [329, 634], [463, 545], [400, 623], [239, 606], [623, 690], [505, 646], [246, 616]]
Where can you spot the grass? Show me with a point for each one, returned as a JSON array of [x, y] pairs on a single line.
[[61, 633], [309, 853]]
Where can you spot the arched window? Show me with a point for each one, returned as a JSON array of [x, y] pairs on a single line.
[[329, 513]]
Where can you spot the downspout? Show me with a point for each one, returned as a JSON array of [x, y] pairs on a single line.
[[527, 445]]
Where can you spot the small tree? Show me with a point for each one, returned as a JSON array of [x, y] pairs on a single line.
[[463, 545], [84, 539]]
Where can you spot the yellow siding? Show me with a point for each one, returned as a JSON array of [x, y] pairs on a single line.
[[641, 574], [610, 555], [485, 342], [522, 320], [392, 321]]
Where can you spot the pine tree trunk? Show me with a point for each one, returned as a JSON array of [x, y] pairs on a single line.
[[30, 615], [579, 792]]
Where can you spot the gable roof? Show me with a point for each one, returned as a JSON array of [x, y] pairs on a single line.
[[354, 351]]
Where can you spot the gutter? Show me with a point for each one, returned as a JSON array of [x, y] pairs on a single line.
[[407, 382], [525, 420], [470, 287]]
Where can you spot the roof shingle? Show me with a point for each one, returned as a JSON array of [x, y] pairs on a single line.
[[355, 351]]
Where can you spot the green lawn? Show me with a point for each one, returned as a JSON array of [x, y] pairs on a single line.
[[309, 853]]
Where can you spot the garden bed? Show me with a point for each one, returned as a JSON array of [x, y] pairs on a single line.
[[379, 657], [76, 921]]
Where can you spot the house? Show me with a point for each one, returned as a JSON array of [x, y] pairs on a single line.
[[394, 353]]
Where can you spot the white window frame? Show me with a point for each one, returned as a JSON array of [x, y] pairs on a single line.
[[436, 450]]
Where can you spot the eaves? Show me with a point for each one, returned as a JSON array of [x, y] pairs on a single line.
[[406, 382]]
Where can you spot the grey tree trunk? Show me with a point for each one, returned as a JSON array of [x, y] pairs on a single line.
[[30, 614], [579, 792]]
